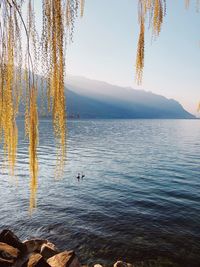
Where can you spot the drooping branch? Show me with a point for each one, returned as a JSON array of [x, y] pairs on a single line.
[[18, 65]]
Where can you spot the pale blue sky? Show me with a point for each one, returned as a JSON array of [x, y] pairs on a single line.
[[105, 43]]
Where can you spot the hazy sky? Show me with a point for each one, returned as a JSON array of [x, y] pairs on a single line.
[[105, 43]]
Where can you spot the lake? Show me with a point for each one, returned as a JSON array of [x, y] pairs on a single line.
[[139, 199]]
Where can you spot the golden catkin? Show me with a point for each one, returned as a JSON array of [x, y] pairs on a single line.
[[140, 53], [8, 108], [187, 2], [82, 7], [154, 11], [33, 143], [68, 14]]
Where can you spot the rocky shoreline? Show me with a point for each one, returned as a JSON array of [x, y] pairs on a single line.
[[38, 253]]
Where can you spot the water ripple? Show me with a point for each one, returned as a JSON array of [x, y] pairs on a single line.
[[140, 198]]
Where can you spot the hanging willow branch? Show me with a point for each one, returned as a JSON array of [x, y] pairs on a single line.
[[82, 7], [187, 2], [46, 51], [18, 82], [154, 11]]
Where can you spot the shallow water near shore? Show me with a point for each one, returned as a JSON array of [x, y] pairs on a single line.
[[139, 199]]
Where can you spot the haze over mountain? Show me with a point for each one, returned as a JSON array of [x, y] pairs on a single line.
[[95, 99]]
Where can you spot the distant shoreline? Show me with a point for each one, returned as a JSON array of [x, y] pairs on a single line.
[[84, 119]]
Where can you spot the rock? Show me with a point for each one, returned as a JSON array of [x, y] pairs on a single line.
[[8, 252], [120, 264], [48, 250], [34, 245], [36, 260], [6, 263], [64, 259], [52, 246], [6, 236]]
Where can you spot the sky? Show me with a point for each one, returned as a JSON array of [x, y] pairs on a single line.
[[105, 44]]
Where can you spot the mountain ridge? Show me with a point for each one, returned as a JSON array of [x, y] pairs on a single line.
[[91, 99], [97, 99]]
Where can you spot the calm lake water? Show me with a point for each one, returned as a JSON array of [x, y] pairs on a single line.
[[139, 200]]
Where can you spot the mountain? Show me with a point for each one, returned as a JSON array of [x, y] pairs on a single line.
[[95, 99]]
